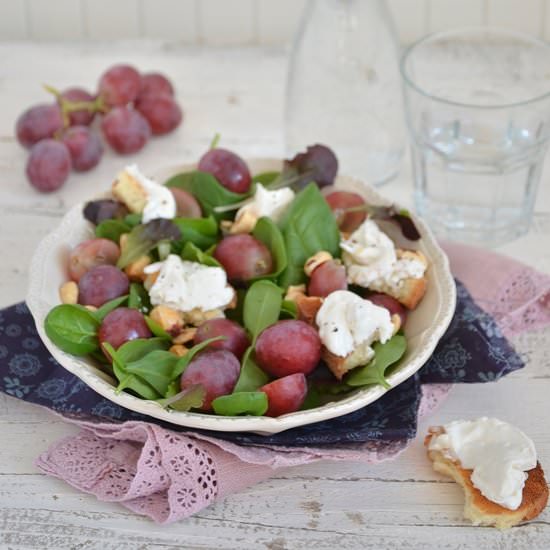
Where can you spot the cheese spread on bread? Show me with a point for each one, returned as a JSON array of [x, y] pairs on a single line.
[[372, 261], [348, 323], [498, 454]]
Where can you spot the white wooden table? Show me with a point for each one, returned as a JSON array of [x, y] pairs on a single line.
[[396, 504]]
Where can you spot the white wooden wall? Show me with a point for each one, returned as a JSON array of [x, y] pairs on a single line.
[[238, 22]]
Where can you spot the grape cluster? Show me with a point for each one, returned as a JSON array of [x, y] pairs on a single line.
[[62, 136]]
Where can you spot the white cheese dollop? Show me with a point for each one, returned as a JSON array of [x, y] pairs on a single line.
[[267, 203], [347, 321], [160, 201], [185, 286], [498, 453], [371, 261]]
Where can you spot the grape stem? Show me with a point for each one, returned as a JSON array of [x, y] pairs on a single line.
[[215, 141]]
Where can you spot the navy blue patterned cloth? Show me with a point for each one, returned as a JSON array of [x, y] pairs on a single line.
[[472, 350]]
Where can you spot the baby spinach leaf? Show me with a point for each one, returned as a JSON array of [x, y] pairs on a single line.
[[262, 305], [266, 178], [253, 403], [193, 253], [132, 219], [251, 376], [138, 348], [289, 309], [236, 313], [207, 190], [106, 308], [385, 355], [267, 231], [72, 328], [183, 401], [308, 226], [156, 369], [184, 361], [112, 230], [156, 329], [202, 232], [143, 238], [139, 298]]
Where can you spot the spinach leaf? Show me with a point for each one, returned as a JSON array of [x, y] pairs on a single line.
[[72, 328], [267, 231], [266, 178], [251, 376], [156, 369], [385, 355], [112, 230], [236, 313], [132, 219], [262, 305], [289, 309], [139, 298], [156, 329], [106, 308], [183, 401], [253, 403], [138, 348], [207, 190], [143, 238], [202, 232], [193, 253], [308, 226]]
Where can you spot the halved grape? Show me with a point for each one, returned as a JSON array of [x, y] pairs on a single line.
[[91, 253], [38, 123], [243, 257], [236, 340], [288, 347], [119, 85], [391, 304], [83, 117], [216, 370], [84, 146], [328, 277], [125, 130], [155, 83], [48, 165], [161, 111], [286, 394], [228, 168], [101, 284], [338, 202], [187, 205], [122, 325]]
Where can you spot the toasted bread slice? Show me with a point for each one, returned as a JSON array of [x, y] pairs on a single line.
[[339, 366], [308, 306], [479, 509], [128, 191]]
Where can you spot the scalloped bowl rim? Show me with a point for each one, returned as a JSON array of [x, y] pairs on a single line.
[[49, 247]]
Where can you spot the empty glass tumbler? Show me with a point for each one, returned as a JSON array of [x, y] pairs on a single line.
[[478, 111], [344, 87]]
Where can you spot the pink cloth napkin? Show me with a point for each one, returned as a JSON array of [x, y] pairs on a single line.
[[169, 476]]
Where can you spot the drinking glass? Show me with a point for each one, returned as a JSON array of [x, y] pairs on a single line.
[[478, 111]]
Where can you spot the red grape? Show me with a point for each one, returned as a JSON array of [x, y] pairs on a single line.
[[125, 130], [155, 83], [101, 284], [82, 117], [161, 111], [288, 347], [91, 253], [187, 205], [38, 123], [328, 277], [228, 168], [84, 146], [119, 85], [286, 394], [236, 338], [391, 304], [122, 325], [49, 165], [339, 200], [243, 257], [216, 370], [104, 209]]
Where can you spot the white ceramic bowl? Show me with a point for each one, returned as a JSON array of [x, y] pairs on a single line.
[[425, 326]]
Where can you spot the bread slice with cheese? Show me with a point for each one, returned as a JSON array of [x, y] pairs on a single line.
[[479, 509], [129, 191]]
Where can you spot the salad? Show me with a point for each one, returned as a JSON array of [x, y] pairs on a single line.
[[228, 293]]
